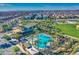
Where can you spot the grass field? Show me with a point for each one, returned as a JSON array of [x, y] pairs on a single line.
[[69, 29]]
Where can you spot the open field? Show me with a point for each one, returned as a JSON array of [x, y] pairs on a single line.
[[69, 29]]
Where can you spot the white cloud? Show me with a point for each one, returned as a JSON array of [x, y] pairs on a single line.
[[4, 4]]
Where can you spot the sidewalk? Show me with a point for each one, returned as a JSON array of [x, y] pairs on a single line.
[[72, 37], [26, 52]]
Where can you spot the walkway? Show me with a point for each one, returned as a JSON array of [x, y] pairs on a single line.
[[26, 52], [72, 37]]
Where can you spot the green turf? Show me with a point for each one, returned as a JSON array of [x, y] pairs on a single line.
[[69, 29]]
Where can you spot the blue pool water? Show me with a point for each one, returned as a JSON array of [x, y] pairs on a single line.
[[43, 39]]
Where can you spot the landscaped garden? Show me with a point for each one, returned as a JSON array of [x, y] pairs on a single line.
[[61, 44]]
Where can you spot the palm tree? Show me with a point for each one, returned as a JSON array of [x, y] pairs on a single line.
[[32, 38], [7, 37]]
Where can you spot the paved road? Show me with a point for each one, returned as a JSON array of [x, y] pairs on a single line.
[[72, 37]]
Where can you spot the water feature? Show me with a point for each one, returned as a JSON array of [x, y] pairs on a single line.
[[43, 39]]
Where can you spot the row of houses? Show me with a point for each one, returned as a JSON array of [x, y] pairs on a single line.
[[36, 16]]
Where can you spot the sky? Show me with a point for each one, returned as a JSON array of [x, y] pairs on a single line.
[[38, 6]]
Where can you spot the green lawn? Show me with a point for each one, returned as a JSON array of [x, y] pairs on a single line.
[[69, 29]]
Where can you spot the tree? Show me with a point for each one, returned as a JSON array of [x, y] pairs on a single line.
[[23, 22], [7, 27], [14, 23], [1, 51], [7, 37], [15, 49], [16, 36]]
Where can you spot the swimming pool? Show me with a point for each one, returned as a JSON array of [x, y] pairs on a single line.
[[43, 39]]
